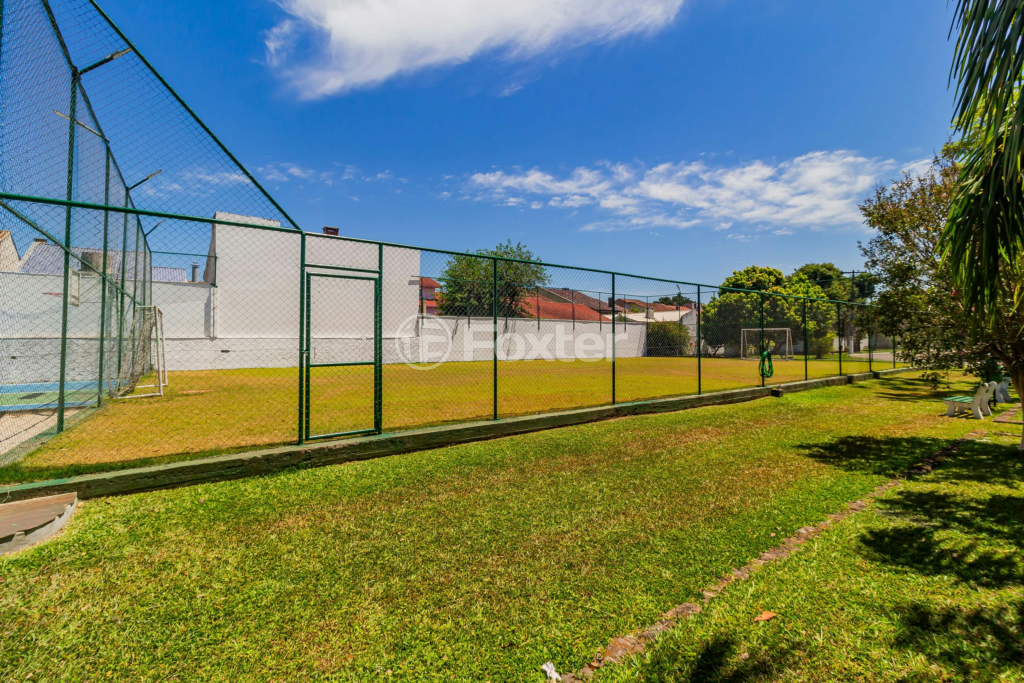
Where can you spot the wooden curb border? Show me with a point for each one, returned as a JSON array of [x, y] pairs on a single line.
[[624, 646], [268, 461]]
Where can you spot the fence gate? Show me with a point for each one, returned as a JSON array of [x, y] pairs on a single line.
[[342, 356]]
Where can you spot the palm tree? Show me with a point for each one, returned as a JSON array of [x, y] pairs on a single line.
[[983, 240], [985, 231]]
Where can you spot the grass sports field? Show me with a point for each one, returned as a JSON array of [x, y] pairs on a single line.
[[483, 561], [210, 412]]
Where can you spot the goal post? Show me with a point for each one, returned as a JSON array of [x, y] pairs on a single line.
[[777, 340]]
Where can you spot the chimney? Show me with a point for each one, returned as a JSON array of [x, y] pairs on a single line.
[[195, 272], [330, 231], [92, 262]]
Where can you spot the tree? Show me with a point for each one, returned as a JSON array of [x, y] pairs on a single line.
[[921, 302], [678, 299], [467, 282], [983, 239], [668, 339], [731, 311], [835, 284]]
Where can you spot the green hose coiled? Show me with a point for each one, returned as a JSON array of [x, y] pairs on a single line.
[[765, 366]]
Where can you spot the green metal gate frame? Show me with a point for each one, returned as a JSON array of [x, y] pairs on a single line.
[[307, 366]]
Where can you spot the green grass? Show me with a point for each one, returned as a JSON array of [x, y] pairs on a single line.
[[471, 563], [926, 585], [212, 412]]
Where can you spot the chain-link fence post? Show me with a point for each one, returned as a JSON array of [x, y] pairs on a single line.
[[699, 342], [613, 338], [103, 278], [378, 345], [494, 317], [760, 338], [61, 392], [121, 295], [894, 352], [302, 337], [807, 348], [871, 342], [842, 334]]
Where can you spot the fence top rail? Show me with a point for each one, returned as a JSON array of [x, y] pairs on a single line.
[[396, 245]]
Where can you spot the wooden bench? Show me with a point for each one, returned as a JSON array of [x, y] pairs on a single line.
[[978, 404]]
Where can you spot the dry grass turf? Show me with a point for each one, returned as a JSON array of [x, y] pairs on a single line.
[[211, 412], [471, 563]]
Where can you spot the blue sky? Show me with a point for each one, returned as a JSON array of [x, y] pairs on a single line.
[[675, 138]]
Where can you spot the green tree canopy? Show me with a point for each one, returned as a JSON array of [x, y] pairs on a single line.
[[730, 312], [467, 281], [677, 299]]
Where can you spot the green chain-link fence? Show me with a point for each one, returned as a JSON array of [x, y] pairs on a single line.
[[156, 303]]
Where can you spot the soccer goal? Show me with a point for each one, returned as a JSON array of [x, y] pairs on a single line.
[[777, 340], [149, 351]]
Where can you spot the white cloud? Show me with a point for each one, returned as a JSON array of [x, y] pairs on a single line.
[[816, 191], [918, 168], [784, 231], [357, 43], [282, 172]]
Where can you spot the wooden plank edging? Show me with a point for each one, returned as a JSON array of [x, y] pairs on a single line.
[[268, 461]]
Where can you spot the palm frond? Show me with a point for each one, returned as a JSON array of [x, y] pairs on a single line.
[[985, 227]]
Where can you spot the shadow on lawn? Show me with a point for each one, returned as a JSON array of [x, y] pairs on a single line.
[[722, 661], [975, 536], [886, 456], [977, 643]]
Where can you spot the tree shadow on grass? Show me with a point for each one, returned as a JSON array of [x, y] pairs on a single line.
[[973, 534], [886, 456], [979, 644], [719, 660], [949, 528]]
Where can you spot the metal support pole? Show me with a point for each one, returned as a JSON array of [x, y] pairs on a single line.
[[302, 337], [494, 319], [306, 387], [871, 347], [700, 343], [613, 338], [761, 334], [807, 348], [573, 300], [103, 282], [894, 352], [378, 345], [839, 319], [121, 306], [647, 325], [61, 391], [537, 295]]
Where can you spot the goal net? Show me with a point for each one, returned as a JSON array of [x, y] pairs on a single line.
[[777, 340]]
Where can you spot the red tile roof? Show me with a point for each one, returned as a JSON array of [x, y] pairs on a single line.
[[553, 310], [429, 283]]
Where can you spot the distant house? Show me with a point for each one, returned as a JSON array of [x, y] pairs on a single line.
[[428, 295], [640, 310], [571, 296], [46, 258], [559, 310]]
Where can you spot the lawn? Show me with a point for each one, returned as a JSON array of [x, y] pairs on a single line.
[[471, 563], [210, 412], [926, 585]]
